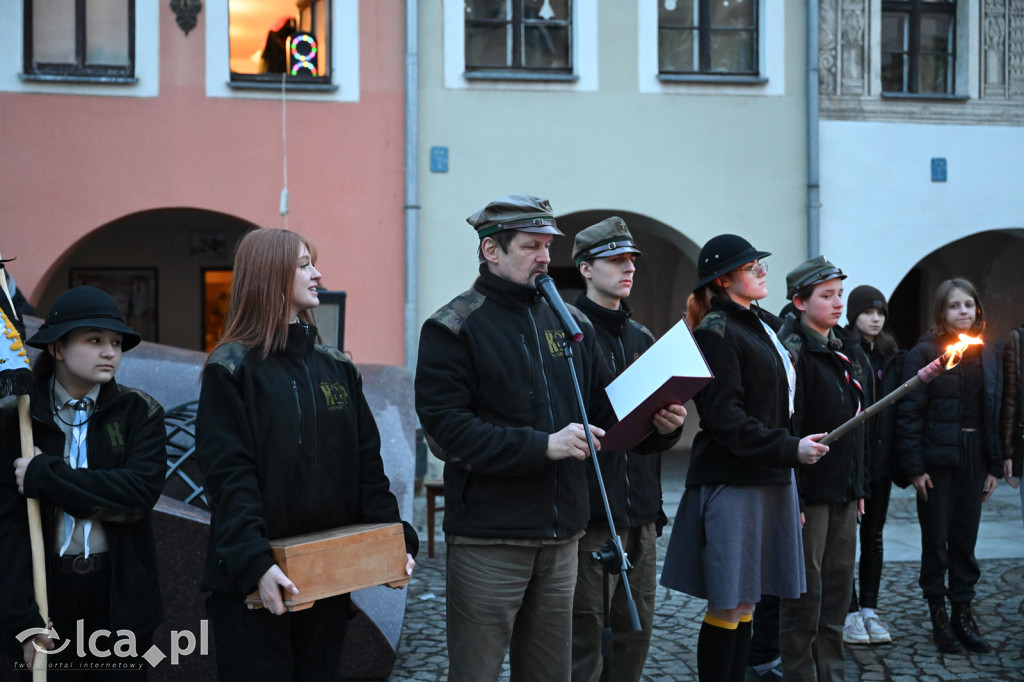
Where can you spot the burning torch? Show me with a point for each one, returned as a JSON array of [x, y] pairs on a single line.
[[946, 361]]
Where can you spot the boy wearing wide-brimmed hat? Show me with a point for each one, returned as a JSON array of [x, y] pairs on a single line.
[[98, 470]]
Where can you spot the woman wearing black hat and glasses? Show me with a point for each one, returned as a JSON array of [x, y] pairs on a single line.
[[99, 469], [723, 547]]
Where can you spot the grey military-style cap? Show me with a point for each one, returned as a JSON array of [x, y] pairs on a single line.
[[515, 212], [605, 239], [811, 272]]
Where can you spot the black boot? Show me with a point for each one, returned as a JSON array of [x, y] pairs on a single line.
[[967, 630], [942, 632]]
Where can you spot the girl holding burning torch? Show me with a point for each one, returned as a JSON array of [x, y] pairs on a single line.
[[948, 446], [288, 446]]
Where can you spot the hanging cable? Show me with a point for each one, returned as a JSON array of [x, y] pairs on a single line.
[[284, 146]]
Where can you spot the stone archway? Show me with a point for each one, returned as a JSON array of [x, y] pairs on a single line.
[[991, 260], [176, 244]]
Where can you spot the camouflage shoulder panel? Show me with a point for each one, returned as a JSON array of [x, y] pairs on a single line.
[[581, 317], [151, 403], [228, 356], [642, 329], [333, 353], [713, 322], [457, 311], [791, 339]]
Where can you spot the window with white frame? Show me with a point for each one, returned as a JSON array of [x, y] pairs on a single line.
[[275, 37], [79, 39], [918, 47], [713, 37], [519, 36]]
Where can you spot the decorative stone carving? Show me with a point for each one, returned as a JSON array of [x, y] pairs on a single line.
[[828, 53], [185, 12], [847, 59], [854, 36], [1016, 48]]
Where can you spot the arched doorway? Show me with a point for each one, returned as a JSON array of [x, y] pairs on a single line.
[[160, 259], [667, 268], [991, 260]]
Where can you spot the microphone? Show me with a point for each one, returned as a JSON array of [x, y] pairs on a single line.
[[546, 287]]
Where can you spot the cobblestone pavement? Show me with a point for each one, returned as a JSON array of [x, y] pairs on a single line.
[[999, 610], [911, 658]]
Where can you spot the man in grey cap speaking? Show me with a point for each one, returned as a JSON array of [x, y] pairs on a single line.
[[494, 394]]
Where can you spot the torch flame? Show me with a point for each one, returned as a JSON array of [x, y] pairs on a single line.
[[956, 351]]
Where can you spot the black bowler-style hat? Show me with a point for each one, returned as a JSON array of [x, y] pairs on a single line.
[[83, 306], [722, 254]]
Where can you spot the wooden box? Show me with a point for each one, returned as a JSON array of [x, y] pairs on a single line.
[[338, 561]]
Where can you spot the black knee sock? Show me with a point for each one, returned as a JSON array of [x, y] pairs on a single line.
[[741, 651], [715, 646]]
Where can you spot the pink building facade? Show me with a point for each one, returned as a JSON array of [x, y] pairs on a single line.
[[147, 181]]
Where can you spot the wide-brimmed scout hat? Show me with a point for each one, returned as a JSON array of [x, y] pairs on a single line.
[[812, 271], [722, 254], [605, 239], [515, 212], [83, 306]]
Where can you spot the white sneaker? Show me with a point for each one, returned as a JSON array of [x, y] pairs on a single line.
[[877, 632], [853, 631]]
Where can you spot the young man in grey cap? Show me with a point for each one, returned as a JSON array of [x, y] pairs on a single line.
[[830, 371], [496, 400], [605, 255]]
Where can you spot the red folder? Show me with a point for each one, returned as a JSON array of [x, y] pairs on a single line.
[[669, 372]]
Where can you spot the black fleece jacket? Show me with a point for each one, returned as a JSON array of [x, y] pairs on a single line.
[[492, 383], [632, 480], [825, 400], [288, 446], [886, 376], [928, 418], [126, 441], [744, 436]]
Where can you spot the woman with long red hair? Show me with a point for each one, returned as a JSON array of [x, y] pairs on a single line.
[[736, 535], [288, 446]]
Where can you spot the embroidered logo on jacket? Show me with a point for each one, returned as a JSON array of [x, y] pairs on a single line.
[[556, 342], [115, 434], [335, 395]]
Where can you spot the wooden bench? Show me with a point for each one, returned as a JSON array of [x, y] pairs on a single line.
[[433, 489]]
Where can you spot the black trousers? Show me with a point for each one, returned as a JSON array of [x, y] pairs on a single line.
[[949, 524], [85, 597], [876, 508], [764, 638], [254, 644]]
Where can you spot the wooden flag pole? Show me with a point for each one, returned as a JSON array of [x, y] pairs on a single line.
[[35, 524]]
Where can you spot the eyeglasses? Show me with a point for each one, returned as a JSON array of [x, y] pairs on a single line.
[[757, 269]]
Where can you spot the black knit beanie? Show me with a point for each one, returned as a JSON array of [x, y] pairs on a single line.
[[862, 298]]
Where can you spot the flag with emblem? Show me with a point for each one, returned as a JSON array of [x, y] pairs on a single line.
[[15, 373], [16, 379]]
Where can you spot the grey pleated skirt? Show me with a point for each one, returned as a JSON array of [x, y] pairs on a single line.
[[731, 544]]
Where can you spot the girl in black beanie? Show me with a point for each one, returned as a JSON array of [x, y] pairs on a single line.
[[866, 313]]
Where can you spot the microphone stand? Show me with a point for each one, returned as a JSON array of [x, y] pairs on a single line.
[[612, 557]]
